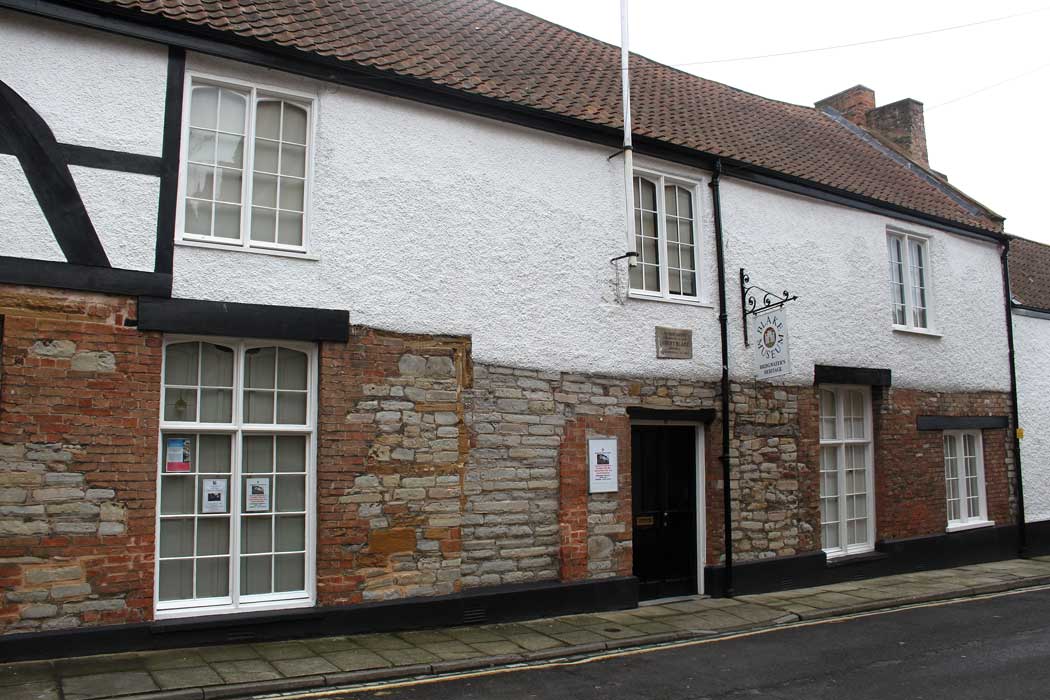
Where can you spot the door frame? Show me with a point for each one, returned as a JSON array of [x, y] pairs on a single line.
[[701, 503]]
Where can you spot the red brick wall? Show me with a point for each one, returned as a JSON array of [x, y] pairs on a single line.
[[909, 464], [78, 441], [583, 555]]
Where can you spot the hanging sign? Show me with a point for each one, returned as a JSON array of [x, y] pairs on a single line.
[[604, 469], [257, 494], [215, 491], [177, 455], [772, 356]]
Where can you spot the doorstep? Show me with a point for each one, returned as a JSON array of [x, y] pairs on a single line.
[[242, 670]]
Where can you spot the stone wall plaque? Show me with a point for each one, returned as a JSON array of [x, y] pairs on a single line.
[[674, 343]]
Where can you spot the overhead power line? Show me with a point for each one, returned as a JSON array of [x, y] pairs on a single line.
[[989, 87], [861, 43]]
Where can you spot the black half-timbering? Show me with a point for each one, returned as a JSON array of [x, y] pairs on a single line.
[[26, 135]]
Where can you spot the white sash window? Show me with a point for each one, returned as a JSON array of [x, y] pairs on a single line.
[[964, 479], [235, 515], [847, 512]]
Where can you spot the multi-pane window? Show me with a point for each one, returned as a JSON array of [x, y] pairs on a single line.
[[665, 239], [237, 435], [964, 478], [246, 164], [846, 499], [909, 280]]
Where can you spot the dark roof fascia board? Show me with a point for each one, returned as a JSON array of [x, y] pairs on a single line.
[[961, 422], [230, 46], [83, 278], [202, 317], [1032, 311]]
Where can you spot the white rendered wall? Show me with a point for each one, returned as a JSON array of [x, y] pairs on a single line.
[[93, 89], [429, 221], [835, 259], [1031, 340]]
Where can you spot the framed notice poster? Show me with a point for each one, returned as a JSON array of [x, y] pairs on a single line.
[[177, 455], [214, 498], [257, 494], [604, 467]]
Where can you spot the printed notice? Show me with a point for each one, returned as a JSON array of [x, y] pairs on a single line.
[[604, 469], [257, 494], [177, 455], [214, 500]]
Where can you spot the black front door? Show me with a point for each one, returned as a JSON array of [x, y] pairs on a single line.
[[663, 490]]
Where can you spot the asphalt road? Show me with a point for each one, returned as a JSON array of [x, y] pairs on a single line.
[[994, 648]]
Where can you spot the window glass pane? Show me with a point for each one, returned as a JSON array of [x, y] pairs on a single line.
[[689, 284], [652, 278], [292, 193], [227, 221], [264, 225], [204, 102], [647, 195], [258, 407], [635, 274], [180, 404], [290, 535], [828, 425], [213, 577], [229, 186], [230, 150], [255, 575], [259, 367], [293, 160], [213, 454], [290, 572], [674, 282], [232, 107], [289, 228], [265, 156], [291, 369], [200, 181], [255, 534], [176, 580], [685, 203], [216, 365], [291, 493], [264, 190], [202, 146], [213, 536], [176, 537], [685, 231], [291, 408], [198, 217], [291, 453], [258, 454], [268, 119], [216, 405], [294, 124], [649, 252], [180, 364], [176, 495]]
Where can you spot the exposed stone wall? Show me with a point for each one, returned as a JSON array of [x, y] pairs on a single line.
[[392, 449], [79, 401], [528, 513], [775, 511]]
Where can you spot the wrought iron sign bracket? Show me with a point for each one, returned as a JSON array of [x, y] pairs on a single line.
[[752, 294]]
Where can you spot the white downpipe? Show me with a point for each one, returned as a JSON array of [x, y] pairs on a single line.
[[628, 155]]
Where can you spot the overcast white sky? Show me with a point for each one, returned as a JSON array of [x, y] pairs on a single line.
[[993, 145]]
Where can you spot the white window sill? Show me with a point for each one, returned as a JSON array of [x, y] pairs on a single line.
[[972, 525], [916, 331], [227, 609], [242, 249], [845, 554], [669, 300]]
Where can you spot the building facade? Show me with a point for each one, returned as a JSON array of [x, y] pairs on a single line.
[[289, 334]]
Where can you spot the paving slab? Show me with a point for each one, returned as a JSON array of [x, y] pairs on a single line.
[[107, 685], [39, 690], [309, 666], [356, 659], [245, 671], [190, 677]]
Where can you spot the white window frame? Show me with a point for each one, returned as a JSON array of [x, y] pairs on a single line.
[[907, 238], [235, 602], [661, 180], [840, 442], [969, 521], [255, 92]]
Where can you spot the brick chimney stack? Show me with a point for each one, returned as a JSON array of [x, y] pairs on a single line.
[[900, 123]]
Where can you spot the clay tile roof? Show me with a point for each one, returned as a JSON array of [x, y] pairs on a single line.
[[489, 49], [1030, 273]]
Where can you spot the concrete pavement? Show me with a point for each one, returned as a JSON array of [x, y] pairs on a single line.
[[251, 669]]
